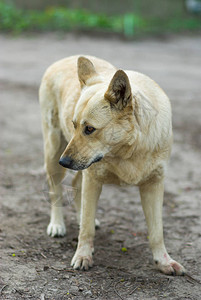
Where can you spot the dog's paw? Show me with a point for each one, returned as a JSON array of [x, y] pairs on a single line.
[[170, 267], [56, 229], [83, 258]]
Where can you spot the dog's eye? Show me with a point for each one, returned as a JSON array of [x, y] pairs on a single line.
[[89, 129]]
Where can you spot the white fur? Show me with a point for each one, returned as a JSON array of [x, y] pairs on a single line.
[[134, 137]]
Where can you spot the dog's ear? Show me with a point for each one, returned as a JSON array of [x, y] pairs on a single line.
[[119, 90], [85, 70]]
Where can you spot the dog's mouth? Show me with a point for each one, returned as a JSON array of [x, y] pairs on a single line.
[[98, 158], [69, 163]]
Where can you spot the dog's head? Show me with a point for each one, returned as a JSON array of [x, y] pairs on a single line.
[[102, 119]]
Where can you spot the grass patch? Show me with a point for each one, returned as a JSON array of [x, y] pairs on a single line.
[[64, 19]]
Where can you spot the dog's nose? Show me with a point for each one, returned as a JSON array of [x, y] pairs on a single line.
[[66, 162]]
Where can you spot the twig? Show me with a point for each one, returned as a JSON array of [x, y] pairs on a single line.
[[192, 279], [135, 287], [43, 255], [3, 287], [116, 290], [118, 269], [106, 289], [133, 290], [168, 283], [19, 291], [22, 242], [66, 270]]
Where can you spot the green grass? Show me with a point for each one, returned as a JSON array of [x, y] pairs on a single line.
[[64, 19]]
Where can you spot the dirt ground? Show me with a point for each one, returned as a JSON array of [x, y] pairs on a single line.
[[35, 266]]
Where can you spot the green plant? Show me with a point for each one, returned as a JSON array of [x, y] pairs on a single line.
[[61, 18]]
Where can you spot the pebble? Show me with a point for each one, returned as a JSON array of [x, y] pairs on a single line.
[[87, 293], [74, 290]]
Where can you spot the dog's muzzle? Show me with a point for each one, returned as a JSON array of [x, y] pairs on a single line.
[[69, 163], [66, 162], [98, 158]]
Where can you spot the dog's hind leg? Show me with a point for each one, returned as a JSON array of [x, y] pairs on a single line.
[[55, 174], [152, 201], [54, 145]]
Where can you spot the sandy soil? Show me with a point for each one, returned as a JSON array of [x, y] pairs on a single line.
[[35, 266]]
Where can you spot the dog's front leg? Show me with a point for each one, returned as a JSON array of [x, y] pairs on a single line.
[[91, 190], [152, 201]]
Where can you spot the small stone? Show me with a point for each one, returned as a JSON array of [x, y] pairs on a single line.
[[87, 293], [74, 290], [45, 268]]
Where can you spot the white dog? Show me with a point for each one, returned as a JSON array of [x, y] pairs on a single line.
[[113, 127]]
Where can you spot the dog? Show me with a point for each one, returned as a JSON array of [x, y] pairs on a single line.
[[112, 126]]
